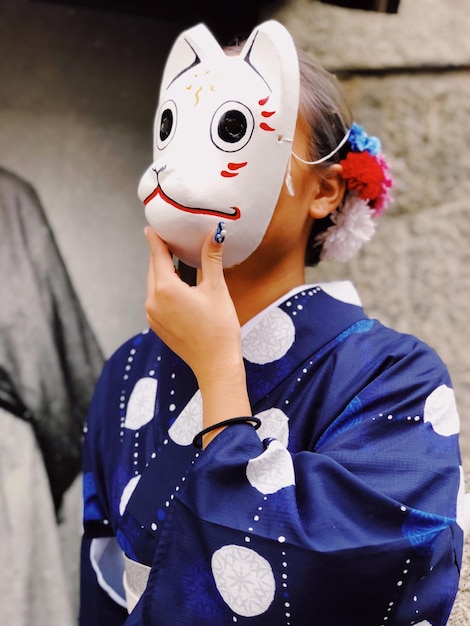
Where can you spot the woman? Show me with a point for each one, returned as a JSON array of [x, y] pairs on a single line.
[[269, 454]]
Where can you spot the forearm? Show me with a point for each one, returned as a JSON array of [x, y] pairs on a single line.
[[224, 395]]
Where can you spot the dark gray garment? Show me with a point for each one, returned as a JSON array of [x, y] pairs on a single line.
[[49, 356]]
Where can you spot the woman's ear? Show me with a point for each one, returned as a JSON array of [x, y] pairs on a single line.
[[329, 192]]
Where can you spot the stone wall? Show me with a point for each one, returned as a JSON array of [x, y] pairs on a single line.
[[407, 78]]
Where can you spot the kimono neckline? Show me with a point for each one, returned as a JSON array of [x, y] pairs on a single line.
[[343, 290]]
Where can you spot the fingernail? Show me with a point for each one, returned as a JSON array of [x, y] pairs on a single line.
[[220, 232]]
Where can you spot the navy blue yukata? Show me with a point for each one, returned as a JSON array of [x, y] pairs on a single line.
[[343, 509]]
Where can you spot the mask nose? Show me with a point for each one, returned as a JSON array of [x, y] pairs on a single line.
[[149, 182]]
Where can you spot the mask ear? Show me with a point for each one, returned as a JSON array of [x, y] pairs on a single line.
[[189, 49], [271, 52]]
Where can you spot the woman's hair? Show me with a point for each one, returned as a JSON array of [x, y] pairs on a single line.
[[324, 109]]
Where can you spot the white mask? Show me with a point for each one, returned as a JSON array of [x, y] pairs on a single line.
[[222, 140]]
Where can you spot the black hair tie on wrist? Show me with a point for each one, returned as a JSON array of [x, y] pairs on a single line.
[[254, 421]]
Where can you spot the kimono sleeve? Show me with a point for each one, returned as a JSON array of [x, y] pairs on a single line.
[[102, 596], [360, 530]]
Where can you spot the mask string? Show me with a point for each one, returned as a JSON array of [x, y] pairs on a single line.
[[288, 177], [329, 155]]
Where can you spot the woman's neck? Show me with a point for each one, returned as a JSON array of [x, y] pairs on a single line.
[[252, 292]]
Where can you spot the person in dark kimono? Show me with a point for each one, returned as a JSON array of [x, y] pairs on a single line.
[[49, 363], [266, 453]]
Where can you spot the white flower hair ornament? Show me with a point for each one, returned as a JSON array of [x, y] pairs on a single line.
[[368, 182]]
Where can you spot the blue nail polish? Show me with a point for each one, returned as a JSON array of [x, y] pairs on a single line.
[[220, 232]]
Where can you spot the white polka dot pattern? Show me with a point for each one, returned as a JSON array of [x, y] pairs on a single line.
[[440, 411], [188, 423], [141, 405], [271, 471], [127, 493], [275, 424], [270, 339], [244, 579]]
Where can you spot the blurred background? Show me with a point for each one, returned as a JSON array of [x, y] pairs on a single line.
[[78, 90]]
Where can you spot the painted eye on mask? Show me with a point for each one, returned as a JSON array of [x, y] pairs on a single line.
[[165, 124], [232, 126]]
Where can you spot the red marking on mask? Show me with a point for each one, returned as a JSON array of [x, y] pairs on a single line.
[[232, 167], [232, 214], [264, 126]]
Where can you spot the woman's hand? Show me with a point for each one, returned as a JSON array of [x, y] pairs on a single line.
[[200, 324]]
